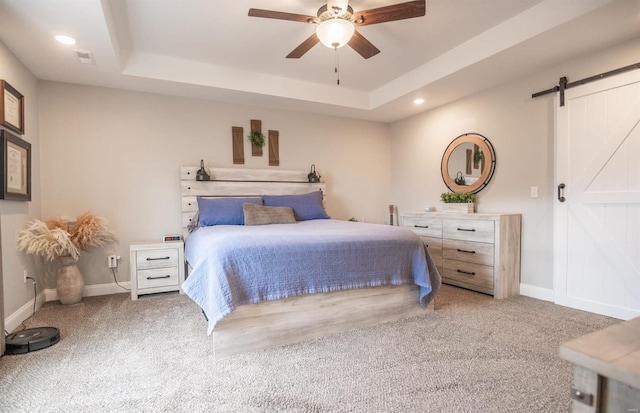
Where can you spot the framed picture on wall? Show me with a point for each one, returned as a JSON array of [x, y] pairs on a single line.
[[16, 167], [11, 108]]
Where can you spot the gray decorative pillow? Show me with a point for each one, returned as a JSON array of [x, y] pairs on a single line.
[[262, 215]]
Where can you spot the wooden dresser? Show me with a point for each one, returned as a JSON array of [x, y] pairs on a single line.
[[607, 369], [480, 252]]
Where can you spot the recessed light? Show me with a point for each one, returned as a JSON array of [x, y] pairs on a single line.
[[65, 39], [418, 101]]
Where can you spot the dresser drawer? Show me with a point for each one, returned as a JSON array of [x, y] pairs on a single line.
[[468, 273], [468, 251], [434, 245], [157, 277], [468, 230], [424, 226], [157, 258]]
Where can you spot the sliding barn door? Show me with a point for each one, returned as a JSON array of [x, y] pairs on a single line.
[[597, 170]]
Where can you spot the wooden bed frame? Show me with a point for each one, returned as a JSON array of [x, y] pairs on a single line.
[[275, 323]]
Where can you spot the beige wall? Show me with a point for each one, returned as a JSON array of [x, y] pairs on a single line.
[[13, 214], [118, 154], [522, 131]]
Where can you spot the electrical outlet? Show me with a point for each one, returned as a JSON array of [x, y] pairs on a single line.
[[113, 261], [25, 274]]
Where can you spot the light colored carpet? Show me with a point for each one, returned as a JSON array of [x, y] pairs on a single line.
[[474, 354]]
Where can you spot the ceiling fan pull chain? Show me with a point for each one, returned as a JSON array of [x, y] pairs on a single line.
[[337, 65]]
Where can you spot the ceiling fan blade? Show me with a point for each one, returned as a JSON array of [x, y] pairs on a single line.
[[363, 46], [304, 47], [270, 14], [391, 13]]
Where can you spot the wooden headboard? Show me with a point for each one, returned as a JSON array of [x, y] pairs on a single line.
[[240, 182]]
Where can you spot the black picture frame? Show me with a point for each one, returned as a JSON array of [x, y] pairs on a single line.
[[11, 108], [16, 168]]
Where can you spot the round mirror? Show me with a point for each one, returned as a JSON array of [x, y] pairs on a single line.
[[468, 163]]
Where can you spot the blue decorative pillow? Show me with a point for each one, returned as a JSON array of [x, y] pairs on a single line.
[[305, 207], [223, 211]]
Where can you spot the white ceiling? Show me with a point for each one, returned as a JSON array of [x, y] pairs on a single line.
[[211, 49]]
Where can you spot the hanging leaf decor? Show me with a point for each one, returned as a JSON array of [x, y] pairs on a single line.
[[257, 138]]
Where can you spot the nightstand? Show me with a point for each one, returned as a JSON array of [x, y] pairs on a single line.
[[156, 267]]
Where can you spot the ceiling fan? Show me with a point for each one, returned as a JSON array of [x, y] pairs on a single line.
[[336, 22]]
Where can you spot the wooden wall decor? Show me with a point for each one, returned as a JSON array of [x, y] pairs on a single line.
[[237, 139], [238, 145], [476, 160], [256, 125], [274, 150], [469, 157]]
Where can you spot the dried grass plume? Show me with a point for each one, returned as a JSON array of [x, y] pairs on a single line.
[[64, 236]]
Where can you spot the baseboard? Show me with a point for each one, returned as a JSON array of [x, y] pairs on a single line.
[[14, 320], [92, 290], [534, 291]]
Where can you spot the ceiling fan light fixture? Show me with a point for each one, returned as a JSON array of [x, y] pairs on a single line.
[[335, 33]]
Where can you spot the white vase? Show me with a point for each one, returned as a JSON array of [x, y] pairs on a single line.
[[69, 283]]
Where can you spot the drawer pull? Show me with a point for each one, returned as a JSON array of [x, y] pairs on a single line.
[[157, 259], [468, 252], [466, 229], [158, 278], [582, 397], [467, 272], [421, 226]]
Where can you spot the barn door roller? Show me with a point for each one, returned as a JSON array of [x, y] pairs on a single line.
[[563, 85]]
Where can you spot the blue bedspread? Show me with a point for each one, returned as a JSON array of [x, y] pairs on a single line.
[[235, 265]]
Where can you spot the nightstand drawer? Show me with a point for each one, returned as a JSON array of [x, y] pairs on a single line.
[[424, 226], [157, 277], [467, 273], [468, 230], [158, 258], [468, 251]]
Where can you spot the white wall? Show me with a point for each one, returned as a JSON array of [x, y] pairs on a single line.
[[118, 154], [522, 131], [13, 214]]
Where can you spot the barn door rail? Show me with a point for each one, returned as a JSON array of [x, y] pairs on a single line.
[[563, 84]]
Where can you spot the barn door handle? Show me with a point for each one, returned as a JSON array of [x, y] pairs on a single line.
[[561, 197]]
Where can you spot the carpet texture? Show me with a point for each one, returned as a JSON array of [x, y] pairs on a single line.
[[474, 354]]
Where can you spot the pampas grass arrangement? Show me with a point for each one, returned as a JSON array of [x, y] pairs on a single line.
[[64, 236]]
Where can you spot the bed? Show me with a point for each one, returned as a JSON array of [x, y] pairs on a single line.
[[303, 277]]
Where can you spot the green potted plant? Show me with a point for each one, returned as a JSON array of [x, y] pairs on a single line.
[[460, 202]]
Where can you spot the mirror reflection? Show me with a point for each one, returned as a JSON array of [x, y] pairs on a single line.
[[468, 163]]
